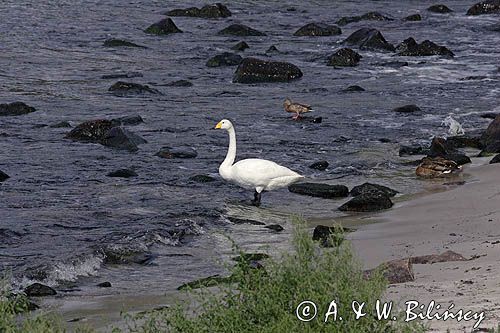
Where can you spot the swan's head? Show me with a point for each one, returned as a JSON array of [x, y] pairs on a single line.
[[224, 124]]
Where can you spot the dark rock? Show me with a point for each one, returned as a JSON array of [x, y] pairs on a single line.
[[369, 39], [179, 83], [440, 9], [396, 271], [90, 131], [317, 120], [184, 152], [489, 115], [494, 160], [394, 64], [409, 47], [202, 179], [62, 124], [105, 284], [210, 281], [320, 190], [485, 7], [121, 76], [216, 10], [354, 89], [441, 148], [247, 257], [329, 236], [127, 120], [3, 176], [410, 108], [413, 18], [224, 59], [121, 88], [163, 27], [370, 188], [124, 256], [120, 138], [435, 258], [15, 109], [371, 16], [412, 150], [367, 202], [39, 290], [321, 165], [241, 46], [244, 221], [344, 57], [272, 49], [318, 29], [120, 43], [122, 173], [274, 227], [491, 137], [240, 30], [463, 141], [253, 70]]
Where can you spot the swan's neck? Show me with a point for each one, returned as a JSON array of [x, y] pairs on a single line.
[[231, 152]]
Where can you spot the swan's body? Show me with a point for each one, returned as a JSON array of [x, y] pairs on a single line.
[[253, 173], [454, 126]]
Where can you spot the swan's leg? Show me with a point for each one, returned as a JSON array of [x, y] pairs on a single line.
[[256, 198]]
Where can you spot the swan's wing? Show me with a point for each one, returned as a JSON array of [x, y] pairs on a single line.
[[255, 172]]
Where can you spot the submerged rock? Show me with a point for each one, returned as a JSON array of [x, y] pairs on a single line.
[[274, 227], [318, 29], [120, 138], [122, 173], [485, 7], [202, 179], [409, 47], [163, 27], [180, 83], [240, 30], [320, 190], [252, 70], [344, 57], [367, 188], [39, 290], [241, 46], [413, 18], [396, 271], [62, 124], [127, 120], [320, 165], [393, 64], [224, 59], [120, 43], [440, 9], [121, 88], [184, 152], [354, 89], [413, 150], [105, 284], [272, 49], [373, 16], [367, 202], [410, 108], [369, 39], [15, 109], [3, 176], [494, 160], [215, 10], [121, 75]]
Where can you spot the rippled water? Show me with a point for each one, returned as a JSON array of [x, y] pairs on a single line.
[[59, 210]]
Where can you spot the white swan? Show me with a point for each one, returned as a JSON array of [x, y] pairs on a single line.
[[253, 173]]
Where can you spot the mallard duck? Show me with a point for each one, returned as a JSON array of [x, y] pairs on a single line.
[[253, 173], [296, 108], [437, 167]]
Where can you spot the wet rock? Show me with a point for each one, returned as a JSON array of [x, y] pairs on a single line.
[[396, 271], [494, 160], [440, 148], [244, 221], [485, 7], [163, 27], [491, 138], [90, 131], [329, 236], [369, 39], [179, 83], [317, 120], [462, 141], [3, 176], [489, 115], [121, 88], [105, 284], [253, 70], [202, 179], [182, 152], [367, 202], [62, 124], [216, 10], [120, 43], [122, 173], [344, 57], [210, 281], [126, 256], [39, 290], [127, 120], [436, 167], [320, 190], [224, 59], [354, 89], [121, 76], [440, 9], [394, 64], [241, 46], [320, 165], [410, 47], [15, 109], [318, 29], [413, 150], [240, 30], [435, 258], [410, 108], [120, 138], [274, 227], [367, 188], [272, 49], [413, 18], [371, 16]]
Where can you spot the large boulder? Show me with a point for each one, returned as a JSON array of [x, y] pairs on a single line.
[[240, 30], [491, 138], [367, 202], [121, 89], [320, 190], [369, 39], [371, 16], [371, 188], [410, 47], [15, 109], [163, 27], [344, 57], [439, 9], [215, 10], [318, 29], [39, 290], [3, 176], [252, 70], [120, 43], [485, 7], [441, 148], [224, 59]]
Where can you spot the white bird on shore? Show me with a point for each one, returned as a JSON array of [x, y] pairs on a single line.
[[454, 126], [253, 173]]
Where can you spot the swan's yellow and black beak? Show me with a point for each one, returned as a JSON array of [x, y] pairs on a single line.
[[219, 125]]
